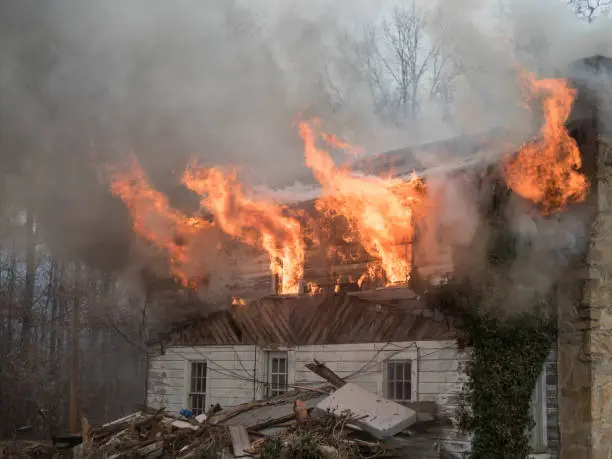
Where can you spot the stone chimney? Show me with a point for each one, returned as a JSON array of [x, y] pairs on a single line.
[[584, 296]]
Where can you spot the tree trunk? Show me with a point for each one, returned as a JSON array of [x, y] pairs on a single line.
[[28, 294], [53, 340], [74, 371]]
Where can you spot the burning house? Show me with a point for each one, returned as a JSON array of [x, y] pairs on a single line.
[[343, 279]]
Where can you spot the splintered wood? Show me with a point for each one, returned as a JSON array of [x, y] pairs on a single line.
[[288, 425]]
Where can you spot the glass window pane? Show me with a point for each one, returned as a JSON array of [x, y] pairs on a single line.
[[274, 365], [282, 368], [391, 372], [398, 379], [193, 376], [390, 391], [399, 394], [407, 390]]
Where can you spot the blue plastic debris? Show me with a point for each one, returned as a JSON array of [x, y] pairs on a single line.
[[186, 413]]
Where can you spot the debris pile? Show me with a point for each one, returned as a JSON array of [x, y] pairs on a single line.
[[339, 421], [30, 449], [153, 434], [158, 435]]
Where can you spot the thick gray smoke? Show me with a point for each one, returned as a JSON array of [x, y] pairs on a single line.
[[493, 39], [83, 84]]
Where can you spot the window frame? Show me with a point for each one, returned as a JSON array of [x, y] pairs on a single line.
[[387, 381], [270, 356], [188, 386], [407, 355]]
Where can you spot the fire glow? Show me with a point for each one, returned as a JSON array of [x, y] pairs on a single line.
[[154, 219], [256, 222], [380, 211], [546, 170]]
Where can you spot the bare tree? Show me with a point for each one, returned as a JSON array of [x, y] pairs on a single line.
[[590, 9], [397, 62]]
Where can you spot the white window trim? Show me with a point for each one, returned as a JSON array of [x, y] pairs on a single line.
[[187, 385], [262, 365], [543, 409], [411, 355]]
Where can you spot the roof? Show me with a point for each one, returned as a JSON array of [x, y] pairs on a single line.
[[310, 320], [453, 155], [489, 147]]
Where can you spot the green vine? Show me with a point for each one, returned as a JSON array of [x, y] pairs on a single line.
[[507, 358], [508, 348], [507, 355]]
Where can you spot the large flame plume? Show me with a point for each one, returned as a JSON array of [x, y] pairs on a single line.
[[256, 222], [154, 219], [546, 170], [380, 211]]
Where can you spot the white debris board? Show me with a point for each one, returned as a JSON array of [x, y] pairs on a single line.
[[378, 416]]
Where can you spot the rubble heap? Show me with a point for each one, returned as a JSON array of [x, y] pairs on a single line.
[[339, 421]]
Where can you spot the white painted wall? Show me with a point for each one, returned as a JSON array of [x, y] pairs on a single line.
[[229, 376], [231, 370]]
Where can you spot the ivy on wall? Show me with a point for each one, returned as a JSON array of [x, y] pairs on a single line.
[[507, 356], [506, 362], [508, 347]]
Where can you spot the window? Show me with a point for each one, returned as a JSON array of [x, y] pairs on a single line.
[[538, 437], [398, 380], [197, 388], [278, 373]]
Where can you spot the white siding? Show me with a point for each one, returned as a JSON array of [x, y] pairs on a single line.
[[231, 370], [235, 374], [229, 375]]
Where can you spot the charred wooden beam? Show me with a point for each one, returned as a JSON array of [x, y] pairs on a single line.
[[321, 370]]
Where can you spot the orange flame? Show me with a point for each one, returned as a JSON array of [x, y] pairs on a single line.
[[379, 211], [260, 223], [154, 219], [335, 142], [546, 171], [313, 289], [237, 301]]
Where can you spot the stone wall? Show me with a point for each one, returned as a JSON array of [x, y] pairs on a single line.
[[585, 329], [598, 297]]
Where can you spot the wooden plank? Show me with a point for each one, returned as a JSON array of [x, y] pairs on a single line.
[[321, 370], [240, 440]]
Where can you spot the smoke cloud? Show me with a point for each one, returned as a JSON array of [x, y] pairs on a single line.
[[84, 84]]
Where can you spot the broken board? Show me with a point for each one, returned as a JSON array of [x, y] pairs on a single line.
[[378, 416]]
